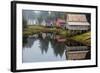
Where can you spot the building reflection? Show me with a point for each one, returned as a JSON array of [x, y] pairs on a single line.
[[77, 52]]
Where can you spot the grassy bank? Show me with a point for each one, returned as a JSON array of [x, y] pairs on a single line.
[[84, 38], [30, 30]]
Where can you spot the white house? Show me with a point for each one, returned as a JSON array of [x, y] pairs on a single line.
[[32, 22], [43, 23], [77, 22]]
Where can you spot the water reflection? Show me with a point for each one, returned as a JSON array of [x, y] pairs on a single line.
[[44, 47], [77, 52], [58, 48], [44, 44]]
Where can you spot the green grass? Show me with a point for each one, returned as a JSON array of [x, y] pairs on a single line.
[[34, 29], [37, 29], [84, 38]]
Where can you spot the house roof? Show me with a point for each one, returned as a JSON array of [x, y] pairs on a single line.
[[76, 17], [60, 21]]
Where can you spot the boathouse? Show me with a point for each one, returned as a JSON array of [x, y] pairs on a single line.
[[77, 22]]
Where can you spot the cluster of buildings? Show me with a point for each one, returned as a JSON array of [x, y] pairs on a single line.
[[72, 22]]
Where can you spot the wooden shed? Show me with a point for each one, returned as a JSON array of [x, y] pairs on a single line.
[[77, 22]]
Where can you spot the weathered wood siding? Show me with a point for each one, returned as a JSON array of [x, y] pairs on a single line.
[[77, 22]]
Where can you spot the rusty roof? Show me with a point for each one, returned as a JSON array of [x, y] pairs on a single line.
[[76, 18]]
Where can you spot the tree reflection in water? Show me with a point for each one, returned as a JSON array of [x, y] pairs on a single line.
[[47, 41], [58, 47], [44, 43]]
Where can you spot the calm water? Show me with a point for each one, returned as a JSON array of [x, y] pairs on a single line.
[[47, 47]]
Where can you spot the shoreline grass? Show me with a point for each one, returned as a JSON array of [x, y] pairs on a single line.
[[38, 29], [84, 38]]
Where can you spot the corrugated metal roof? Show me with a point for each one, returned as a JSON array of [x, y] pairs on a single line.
[[76, 17]]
